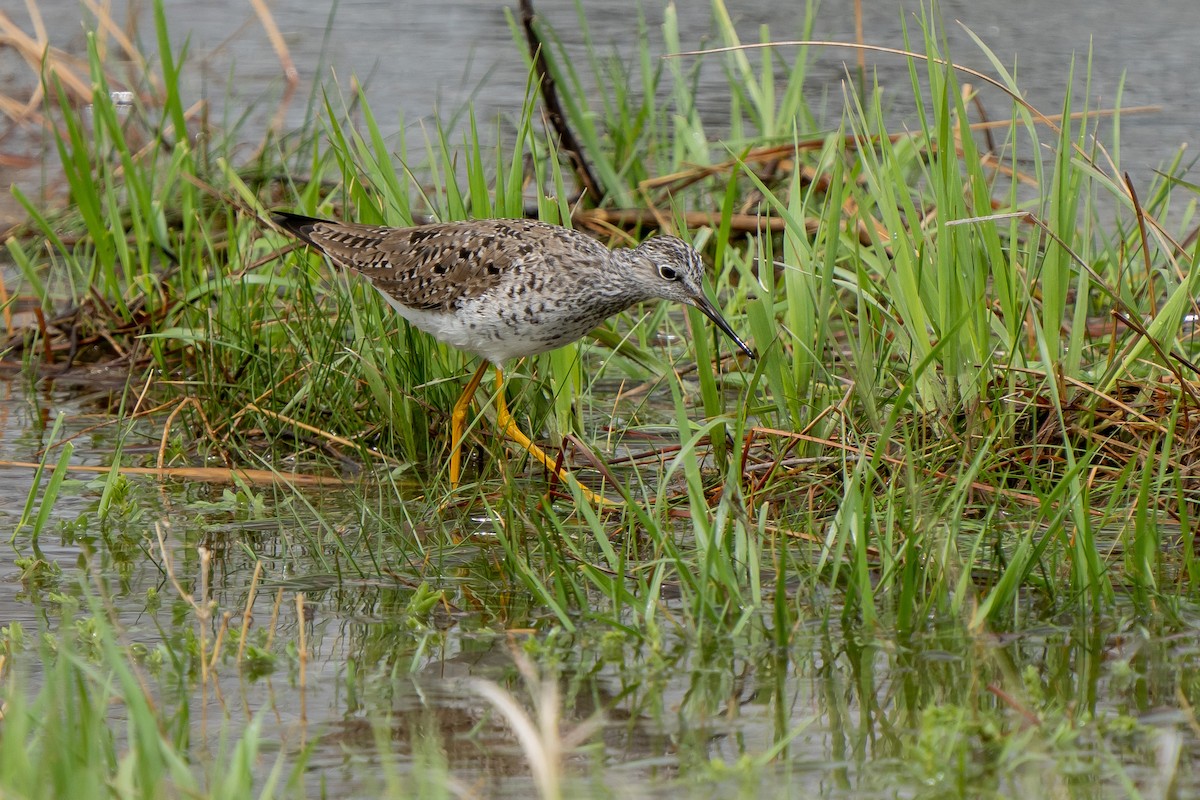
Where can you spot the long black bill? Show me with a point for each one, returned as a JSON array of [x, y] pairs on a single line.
[[712, 313]]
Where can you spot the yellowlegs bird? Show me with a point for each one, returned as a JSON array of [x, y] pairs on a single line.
[[507, 288]]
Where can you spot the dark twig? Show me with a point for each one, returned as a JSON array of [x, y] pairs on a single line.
[[567, 142], [645, 217]]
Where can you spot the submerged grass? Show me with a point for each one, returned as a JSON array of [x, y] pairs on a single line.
[[971, 413]]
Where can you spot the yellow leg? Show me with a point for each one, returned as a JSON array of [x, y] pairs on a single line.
[[458, 421], [508, 427]]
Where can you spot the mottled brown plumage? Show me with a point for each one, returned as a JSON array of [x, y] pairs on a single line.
[[433, 266]]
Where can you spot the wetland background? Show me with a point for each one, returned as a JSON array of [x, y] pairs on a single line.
[[937, 541]]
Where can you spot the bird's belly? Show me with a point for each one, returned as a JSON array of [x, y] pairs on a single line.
[[498, 331]]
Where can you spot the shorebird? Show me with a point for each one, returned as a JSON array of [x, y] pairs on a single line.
[[507, 288]]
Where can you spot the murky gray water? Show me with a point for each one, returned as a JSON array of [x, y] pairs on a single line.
[[441, 54], [419, 58]]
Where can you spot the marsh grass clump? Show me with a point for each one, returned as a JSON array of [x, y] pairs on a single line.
[[966, 446]]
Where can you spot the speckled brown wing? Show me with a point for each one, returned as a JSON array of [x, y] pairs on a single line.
[[430, 267]]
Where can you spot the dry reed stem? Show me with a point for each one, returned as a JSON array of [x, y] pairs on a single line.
[[247, 615], [290, 74], [162, 444], [302, 656], [205, 474], [652, 216], [44, 59], [109, 26], [6, 306], [333, 437]]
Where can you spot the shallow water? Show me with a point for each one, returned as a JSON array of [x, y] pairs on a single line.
[[850, 708], [424, 59]]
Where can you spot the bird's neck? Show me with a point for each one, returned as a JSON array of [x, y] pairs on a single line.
[[624, 276]]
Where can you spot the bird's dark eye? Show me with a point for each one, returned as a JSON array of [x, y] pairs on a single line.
[[668, 273]]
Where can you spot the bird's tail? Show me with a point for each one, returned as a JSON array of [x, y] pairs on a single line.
[[297, 225]]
